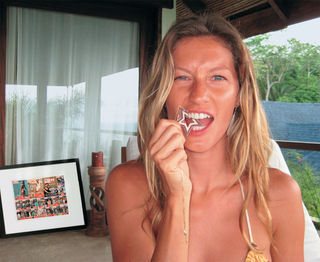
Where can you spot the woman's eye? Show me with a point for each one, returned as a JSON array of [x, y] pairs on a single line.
[[181, 78], [218, 77]]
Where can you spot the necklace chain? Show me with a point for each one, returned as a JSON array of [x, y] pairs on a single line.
[[185, 231]]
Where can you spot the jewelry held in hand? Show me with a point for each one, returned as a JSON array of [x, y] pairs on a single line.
[[186, 122]]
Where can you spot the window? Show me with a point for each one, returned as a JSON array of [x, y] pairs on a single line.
[[118, 112], [72, 87]]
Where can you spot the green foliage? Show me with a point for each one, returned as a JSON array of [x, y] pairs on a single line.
[[287, 73], [308, 180], [291, 73]]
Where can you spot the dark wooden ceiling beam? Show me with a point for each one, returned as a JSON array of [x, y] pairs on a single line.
[[132, 3], [196, 6], [155, 3], [278, 10], [254, 17], [258, 23], [235, 7], [268, 20], [299, 11]]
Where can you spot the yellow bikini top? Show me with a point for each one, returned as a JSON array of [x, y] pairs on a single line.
[[252, 256]]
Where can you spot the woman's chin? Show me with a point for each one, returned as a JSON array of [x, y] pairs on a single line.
[[195, 145]]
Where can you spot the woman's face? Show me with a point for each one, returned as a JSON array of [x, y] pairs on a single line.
[[206, 85]]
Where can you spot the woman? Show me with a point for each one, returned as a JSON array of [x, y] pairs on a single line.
[[203, 193]]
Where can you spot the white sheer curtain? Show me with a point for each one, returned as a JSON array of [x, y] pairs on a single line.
[[58, 75]]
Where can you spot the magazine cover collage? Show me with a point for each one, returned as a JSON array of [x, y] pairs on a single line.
[[43, 197]]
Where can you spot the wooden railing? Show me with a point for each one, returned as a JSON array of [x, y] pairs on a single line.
[[313, 146]]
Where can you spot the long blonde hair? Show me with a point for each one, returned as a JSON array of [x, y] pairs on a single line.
[[248, 135]]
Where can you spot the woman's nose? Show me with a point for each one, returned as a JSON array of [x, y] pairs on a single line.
[[199, 91]]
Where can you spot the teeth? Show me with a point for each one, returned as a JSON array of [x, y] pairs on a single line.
[[198, 115], [197, 128]]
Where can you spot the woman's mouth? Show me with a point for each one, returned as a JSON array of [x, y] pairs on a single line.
[[202, 119], [193, 121]]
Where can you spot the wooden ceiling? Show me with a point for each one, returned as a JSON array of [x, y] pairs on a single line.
[[253, 17]]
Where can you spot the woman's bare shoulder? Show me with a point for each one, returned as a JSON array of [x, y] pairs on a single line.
[[285, 205], [284, 200], [133, 168], [282, 186], [128, 178], [127, 197]]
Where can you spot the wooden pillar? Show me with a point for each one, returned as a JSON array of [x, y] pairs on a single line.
[[97, 172], [3, 24]]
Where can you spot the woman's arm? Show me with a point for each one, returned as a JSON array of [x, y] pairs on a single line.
[[288, 218], [166, 148], [132, 238], [131, 235], [173, 236]]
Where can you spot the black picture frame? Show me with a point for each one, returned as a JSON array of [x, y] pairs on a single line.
[[41, 197]]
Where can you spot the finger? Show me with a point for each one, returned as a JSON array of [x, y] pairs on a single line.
[[172, 164], [170, 136], [161, 127], [161, 151]]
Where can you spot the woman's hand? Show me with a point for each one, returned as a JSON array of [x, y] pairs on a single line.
[[166, 148]]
